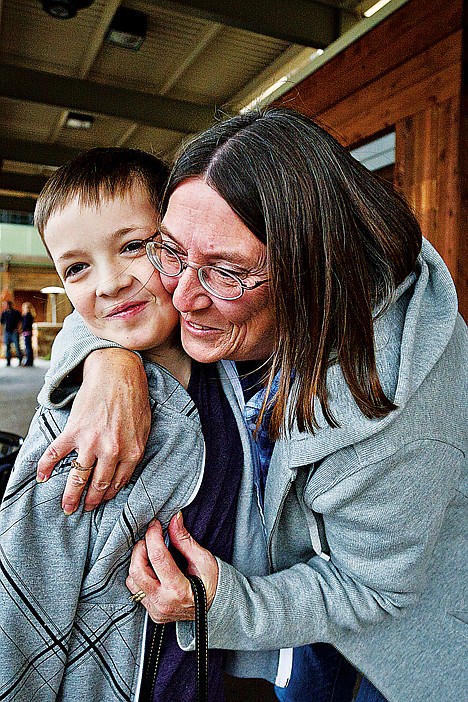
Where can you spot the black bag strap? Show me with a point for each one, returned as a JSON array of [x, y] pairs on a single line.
[[151, 665], [201, 648], [201, 636]]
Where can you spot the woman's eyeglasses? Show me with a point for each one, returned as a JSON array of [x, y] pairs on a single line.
[[216, 280]]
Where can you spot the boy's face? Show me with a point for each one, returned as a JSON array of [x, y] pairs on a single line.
[[103, 265]]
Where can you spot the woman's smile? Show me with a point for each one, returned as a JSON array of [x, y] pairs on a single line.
[[193, 326]]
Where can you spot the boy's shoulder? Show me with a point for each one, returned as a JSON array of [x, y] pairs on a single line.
[[166, 393], [46, 425]]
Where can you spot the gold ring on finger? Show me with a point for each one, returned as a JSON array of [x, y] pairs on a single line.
[[138, 596], [78, 466]]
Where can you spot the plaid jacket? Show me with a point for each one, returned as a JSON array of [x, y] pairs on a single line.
[[67, 628]]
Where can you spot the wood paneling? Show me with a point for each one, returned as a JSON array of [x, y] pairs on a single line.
[[462, 279], [428, 78], [31, 278], [427, 173], [409, 73], [401, 36], [37, 299]]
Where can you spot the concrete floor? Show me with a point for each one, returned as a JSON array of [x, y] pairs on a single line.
[[19, 387]]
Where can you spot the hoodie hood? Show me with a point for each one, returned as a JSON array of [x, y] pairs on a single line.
[[410, 337]]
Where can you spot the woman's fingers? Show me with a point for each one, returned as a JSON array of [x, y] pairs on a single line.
[[141, 574], [164, 566], [168, 593], [120, 479], [108, 426], [105, 484], [101, 479], [153, 571], [200, 561], [58, 449], [78, 477], [143, 583]]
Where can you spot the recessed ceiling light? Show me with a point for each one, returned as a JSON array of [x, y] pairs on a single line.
[[52, 290], [75, 120], [127, 29]]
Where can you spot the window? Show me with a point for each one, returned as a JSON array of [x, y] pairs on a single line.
[[378, 155], [10, 217]]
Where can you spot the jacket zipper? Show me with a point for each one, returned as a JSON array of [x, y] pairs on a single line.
[[275, 523], [284, 670]]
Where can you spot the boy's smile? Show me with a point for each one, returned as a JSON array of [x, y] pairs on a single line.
[[99, 256], [127, 310]]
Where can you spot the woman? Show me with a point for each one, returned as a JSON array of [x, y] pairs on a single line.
[[28, 313], [349, 321]]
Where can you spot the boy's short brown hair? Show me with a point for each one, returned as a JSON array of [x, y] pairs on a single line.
[[100, 173]]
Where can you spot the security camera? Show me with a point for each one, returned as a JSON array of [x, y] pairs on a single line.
[[64, 9]]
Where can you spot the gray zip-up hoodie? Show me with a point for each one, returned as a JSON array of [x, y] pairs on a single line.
[[67, 628], [388, 499]]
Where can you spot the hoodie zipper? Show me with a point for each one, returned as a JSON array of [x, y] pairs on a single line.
[[285, 660], [275, 523]]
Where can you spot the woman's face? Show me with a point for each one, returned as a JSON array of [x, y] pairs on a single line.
[[201, 226]]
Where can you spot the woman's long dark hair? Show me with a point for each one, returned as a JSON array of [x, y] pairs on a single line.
[[339, 242]]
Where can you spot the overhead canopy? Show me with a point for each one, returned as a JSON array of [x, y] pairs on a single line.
[[200, 60]]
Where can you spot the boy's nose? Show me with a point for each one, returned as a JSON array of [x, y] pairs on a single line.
[[113, 284]]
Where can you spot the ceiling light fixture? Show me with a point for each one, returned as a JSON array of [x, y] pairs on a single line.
[[127, 29], [375, 8], [64, 9], [76, 120], [260, 99]]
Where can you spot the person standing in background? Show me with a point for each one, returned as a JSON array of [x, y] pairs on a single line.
[[27, 316], [10, 321]]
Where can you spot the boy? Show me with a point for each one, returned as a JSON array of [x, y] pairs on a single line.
[[67, 628]]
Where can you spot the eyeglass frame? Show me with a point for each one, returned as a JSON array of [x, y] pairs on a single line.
[[185, 264]]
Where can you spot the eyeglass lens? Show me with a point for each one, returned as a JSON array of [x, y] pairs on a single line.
[[215, 280]]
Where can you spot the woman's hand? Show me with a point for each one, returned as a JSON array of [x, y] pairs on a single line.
[[108, 426], [152, 570]]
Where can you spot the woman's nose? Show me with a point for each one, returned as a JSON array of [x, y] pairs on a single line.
[[113, 283], [188, 293]]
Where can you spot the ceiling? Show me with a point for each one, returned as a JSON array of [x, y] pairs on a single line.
[[201, 59]]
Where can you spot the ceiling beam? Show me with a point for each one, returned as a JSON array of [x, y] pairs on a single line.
[[21, 182], [35, 152], [17, 204], [98, 99], [305, 22]]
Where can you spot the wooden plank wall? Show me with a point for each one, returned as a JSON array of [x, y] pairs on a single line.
[[406, 74], [427, 172]]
